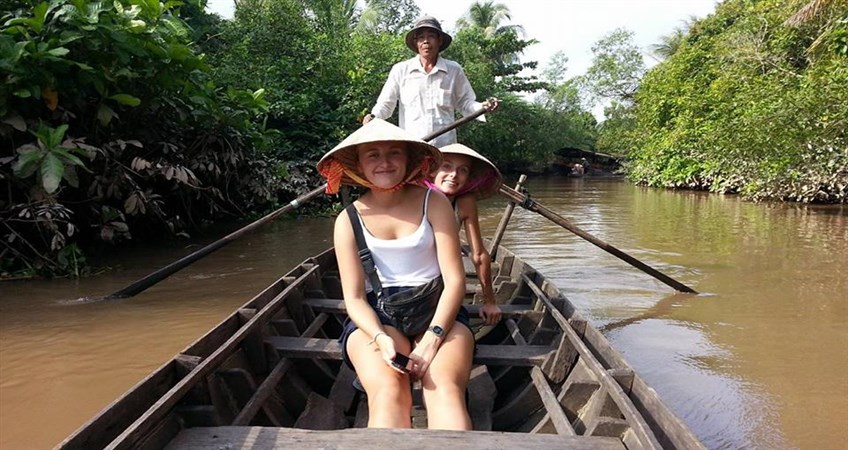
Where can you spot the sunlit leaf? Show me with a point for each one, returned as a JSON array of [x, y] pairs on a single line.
[[52, 171], [105, 114], [28, 162], [126, 99], [58, 51], [16, 121]]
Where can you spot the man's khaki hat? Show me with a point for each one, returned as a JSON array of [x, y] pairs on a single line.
[[427, 22]]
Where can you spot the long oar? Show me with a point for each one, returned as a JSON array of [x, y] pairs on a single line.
[[499, 233], [185, 261], [531, 205]]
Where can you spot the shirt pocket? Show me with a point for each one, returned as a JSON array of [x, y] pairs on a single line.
[[443, 99]]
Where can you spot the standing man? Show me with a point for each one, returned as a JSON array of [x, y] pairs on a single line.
[[429, 88]]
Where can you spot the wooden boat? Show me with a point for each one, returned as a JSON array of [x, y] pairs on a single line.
[[271, 375]]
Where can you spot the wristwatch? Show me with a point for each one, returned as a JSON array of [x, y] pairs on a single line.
[[438, 331]]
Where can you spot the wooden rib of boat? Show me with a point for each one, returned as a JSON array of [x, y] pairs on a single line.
[[271, 375]]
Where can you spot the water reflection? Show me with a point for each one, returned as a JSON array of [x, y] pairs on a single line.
[[759, 362]]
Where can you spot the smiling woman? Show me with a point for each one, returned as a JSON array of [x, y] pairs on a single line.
[[402, 279]]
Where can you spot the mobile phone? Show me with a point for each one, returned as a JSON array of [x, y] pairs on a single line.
[[401, 361]]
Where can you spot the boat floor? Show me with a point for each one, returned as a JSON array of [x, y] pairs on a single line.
[[245, 438]]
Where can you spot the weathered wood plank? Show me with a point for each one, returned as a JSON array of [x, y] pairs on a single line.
[[335, 306], [509, 355], [522, 402], [481, 398], [628, 409], [321, 414], [241, 387], [554, 409], [102, 429], [515, 332], [258, 437], [141, 426], [252, 343], [343, 393], [361, 419], [558, 366]]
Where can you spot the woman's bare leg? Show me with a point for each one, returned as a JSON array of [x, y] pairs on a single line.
[[389, 396], [445, 381]]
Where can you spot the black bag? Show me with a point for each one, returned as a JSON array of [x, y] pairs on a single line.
[[410, 311]]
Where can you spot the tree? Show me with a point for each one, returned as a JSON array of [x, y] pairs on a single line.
[[487, 16], [388, 16], [670, 43], [332, 17], [833, 14], [617, 67]]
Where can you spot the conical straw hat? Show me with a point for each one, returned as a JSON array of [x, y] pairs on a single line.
[[378, 130], [485, 178]]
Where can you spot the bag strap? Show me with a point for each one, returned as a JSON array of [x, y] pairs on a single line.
[[364, 252]]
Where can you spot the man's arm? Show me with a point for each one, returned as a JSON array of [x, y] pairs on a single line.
[[464, 96], [387, 101]]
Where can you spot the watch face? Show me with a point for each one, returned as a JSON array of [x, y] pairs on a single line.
[[437, 330]]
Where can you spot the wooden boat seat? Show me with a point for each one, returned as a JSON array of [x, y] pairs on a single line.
[[494, 355], [335, 306], [358, 438]]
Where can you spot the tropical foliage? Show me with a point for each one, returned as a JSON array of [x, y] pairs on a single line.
[[136, 119], [752, 102], [116, 130]]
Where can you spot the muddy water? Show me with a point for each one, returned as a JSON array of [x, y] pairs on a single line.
[[757, 361]]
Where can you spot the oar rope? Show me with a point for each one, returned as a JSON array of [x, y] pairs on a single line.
[[531, 205], [185, 261]]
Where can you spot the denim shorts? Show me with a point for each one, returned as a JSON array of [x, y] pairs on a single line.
[[462, 317]]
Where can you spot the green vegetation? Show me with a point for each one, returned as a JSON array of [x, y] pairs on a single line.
[[141, 119], [137, 119], [751, 100], [115, 129]]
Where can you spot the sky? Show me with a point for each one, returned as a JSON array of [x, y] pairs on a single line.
[[570, 26]]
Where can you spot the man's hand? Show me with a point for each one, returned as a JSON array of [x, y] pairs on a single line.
[[492, 104], [367, 118]]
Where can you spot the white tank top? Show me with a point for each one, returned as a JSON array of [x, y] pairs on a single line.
[[407, 261]]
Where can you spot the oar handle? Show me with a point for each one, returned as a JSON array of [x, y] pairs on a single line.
[[499, 233], [181, 263], [486, 108], [534, 206]]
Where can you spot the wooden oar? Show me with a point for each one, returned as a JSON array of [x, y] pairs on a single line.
[[531, 205], [499, 233], [185, 261]]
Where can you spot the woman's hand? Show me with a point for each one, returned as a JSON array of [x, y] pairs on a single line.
[[387, 349], [422, 355], [490, 313]]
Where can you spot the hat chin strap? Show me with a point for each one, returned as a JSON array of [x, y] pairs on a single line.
[[334, 171]]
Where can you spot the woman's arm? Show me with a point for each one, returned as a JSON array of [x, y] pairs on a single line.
[[353, 287], [467, 204]]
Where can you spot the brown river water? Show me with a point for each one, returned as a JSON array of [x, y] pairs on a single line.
[[758, 360]]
